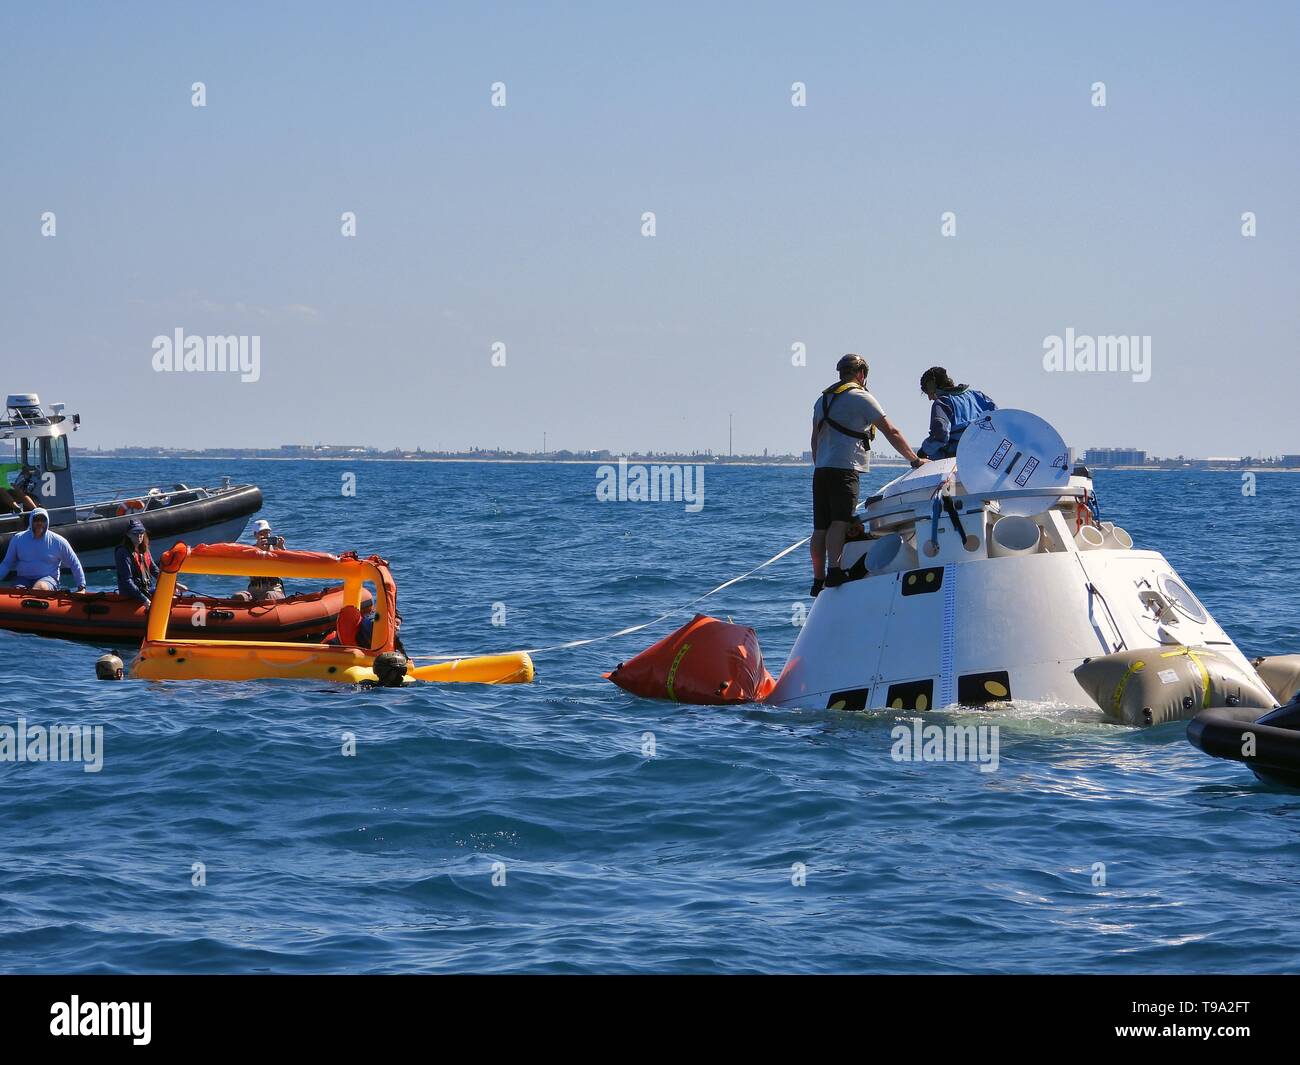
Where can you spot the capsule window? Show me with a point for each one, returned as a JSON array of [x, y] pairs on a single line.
[[1182, 598], [923, 581], [911, 695], [854, 699], [978, 689]]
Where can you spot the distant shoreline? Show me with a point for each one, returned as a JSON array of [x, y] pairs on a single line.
[[642, 459], [645, 460]]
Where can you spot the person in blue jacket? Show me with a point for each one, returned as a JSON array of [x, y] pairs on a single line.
[[952, 408], [137, 572], [38, 555]]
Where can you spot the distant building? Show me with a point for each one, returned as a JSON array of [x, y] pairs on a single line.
[[1292, 461], [1115, 456]]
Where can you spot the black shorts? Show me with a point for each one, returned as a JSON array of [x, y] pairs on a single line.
[[835, 495]]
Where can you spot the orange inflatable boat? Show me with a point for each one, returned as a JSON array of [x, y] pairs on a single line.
[[706, 661], [105, 617]]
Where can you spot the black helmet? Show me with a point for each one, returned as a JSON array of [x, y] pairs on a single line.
[[851, 365]]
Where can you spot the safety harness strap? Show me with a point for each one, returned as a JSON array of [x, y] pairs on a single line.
[[829, 397]]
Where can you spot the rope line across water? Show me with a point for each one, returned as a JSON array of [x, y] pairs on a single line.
[[634, 628]]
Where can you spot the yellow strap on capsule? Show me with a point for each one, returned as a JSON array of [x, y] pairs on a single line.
[[1136, 667], [1195, 657]]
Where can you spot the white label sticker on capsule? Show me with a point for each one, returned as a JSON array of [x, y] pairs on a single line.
[[1168, 676]]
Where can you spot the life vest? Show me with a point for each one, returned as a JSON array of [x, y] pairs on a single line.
[[143, 569], [347, 623], [829, 396], [963, 406]]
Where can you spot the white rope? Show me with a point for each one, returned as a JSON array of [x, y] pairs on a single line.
[[644, 625]]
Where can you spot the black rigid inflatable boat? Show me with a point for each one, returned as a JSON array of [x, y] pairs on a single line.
[[1269, 745]]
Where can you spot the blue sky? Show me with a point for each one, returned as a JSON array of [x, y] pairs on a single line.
[[776, 225]]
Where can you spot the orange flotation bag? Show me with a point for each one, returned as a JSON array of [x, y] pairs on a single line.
[[706, 661], [346, 626]]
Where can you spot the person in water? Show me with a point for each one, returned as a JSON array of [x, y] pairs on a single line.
[[18, 497], [845, 419], [952, 408], [38, 555], [261, 589], [137, 572]]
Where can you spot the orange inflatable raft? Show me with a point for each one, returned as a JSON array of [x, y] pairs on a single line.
[[170, 655], [706, 661], [106, 617]]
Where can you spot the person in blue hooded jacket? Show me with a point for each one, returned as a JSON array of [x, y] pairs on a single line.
[[38, 555], [952, 408]]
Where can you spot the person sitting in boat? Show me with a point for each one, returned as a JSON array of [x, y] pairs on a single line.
[[38, 555], [952, 408], [18, 497], [11, 503], [261, 589], [845, 419], [137, 572]]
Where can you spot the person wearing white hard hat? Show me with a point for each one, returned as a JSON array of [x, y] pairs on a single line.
[[264, 588]]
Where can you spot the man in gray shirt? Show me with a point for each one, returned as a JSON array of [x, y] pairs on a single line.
[[845, 419]]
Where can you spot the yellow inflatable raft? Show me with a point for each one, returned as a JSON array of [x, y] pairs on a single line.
[[190, 656]]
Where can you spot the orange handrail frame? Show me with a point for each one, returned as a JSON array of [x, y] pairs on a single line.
[[243, 560]]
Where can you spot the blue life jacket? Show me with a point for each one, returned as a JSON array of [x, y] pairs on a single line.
[[962, 406]]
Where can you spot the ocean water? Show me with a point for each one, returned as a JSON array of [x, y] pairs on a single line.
[[612, 860]]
